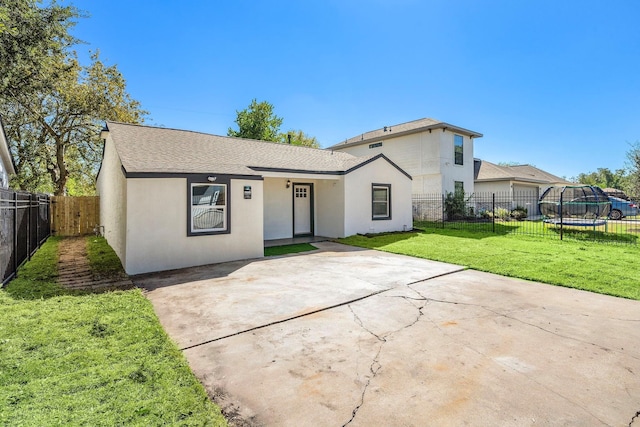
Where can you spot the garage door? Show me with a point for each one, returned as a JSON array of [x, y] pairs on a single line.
[[527, 197]]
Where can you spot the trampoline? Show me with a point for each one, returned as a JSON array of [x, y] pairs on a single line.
[[576, 206]]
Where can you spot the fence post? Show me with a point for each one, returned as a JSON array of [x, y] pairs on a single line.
[[29, 226], [561, 216], [493, 210], [15, 234], [443, 209]]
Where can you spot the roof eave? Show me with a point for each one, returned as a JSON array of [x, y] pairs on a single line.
[[442, 125]]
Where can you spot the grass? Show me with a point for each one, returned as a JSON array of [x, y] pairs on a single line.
[[102, 259], [606, 269], [90, 359], [623, 232], [288, 249]]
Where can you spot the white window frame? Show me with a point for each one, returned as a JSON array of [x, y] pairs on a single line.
[[223, 208], [387, 215]]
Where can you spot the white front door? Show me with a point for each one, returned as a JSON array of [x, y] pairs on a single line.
[[302, 209]]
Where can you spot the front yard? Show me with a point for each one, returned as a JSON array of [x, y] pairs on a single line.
[[80, 358], [603, 268]]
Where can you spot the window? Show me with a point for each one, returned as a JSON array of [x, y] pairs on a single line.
[[380, 201], [208, 209], [458, 187], [458, 149]]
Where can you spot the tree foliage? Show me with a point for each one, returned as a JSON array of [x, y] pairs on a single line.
[[605, 178], [298, 137], [53, 106], [633, 164], [258, 121]]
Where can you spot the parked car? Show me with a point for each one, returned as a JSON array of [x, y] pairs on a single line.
[[621, 208]]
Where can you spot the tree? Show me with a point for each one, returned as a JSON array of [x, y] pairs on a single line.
[[54, 107], [298, 137], [633, 163], [258, 121], [33, 40], [604, 178], [55, 135]]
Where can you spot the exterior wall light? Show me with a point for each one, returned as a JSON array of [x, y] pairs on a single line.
[[288, 183]]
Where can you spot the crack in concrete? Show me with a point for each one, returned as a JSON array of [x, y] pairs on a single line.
[[468, 346], [283, 320], [634, 418], [375, 366], [507, 316]]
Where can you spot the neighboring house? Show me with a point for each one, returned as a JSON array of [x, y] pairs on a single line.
[[7, 167], [437, 155], [521, 185], [173, 198]]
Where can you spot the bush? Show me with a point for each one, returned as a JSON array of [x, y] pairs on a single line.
[[519, 213], [455, 206], [502, 213]]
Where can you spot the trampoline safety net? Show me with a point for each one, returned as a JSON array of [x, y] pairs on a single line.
[[579, 202]]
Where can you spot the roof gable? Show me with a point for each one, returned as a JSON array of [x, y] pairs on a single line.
[[415, 126], [146, 149], [487, 171]]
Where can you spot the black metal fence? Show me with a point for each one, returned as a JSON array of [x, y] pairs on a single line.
[[24, 226], [519, 213]]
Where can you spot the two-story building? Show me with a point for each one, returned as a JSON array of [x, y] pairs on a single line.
[[437, 155]]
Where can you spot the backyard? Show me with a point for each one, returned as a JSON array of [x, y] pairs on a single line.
[[82, 358]]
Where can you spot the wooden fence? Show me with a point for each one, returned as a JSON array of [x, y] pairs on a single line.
[[74, 216]]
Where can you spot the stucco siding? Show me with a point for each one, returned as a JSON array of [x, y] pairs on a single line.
[[278, 209], [330, 208], [112, 189], [357, 194], [4, 176], [157, 226]]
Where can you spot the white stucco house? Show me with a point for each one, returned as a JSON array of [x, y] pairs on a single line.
[[7, 167], [437, 155], [174, 198], [521, 185]]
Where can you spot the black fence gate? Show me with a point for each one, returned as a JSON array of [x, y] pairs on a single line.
[[24, 226]]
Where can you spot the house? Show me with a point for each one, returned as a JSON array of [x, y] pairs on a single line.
[[174, 198], [7, 167], [519, 185], [437, 155]]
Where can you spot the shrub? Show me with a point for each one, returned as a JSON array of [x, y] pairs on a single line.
[[455, 206], [519, 213], [502, 213]]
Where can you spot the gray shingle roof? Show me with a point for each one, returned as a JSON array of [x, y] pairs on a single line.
[[160, 150], [487, 171], [403, 129]]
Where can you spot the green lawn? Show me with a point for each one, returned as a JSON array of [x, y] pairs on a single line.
[[603, 268], [288, 249], [99, 359]]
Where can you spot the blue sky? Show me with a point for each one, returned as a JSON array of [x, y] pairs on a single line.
[[555, 83]]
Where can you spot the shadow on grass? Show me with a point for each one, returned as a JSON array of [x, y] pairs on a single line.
[[594, 235], [475, 230]]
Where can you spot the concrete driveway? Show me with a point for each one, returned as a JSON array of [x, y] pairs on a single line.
[[344, 336]]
